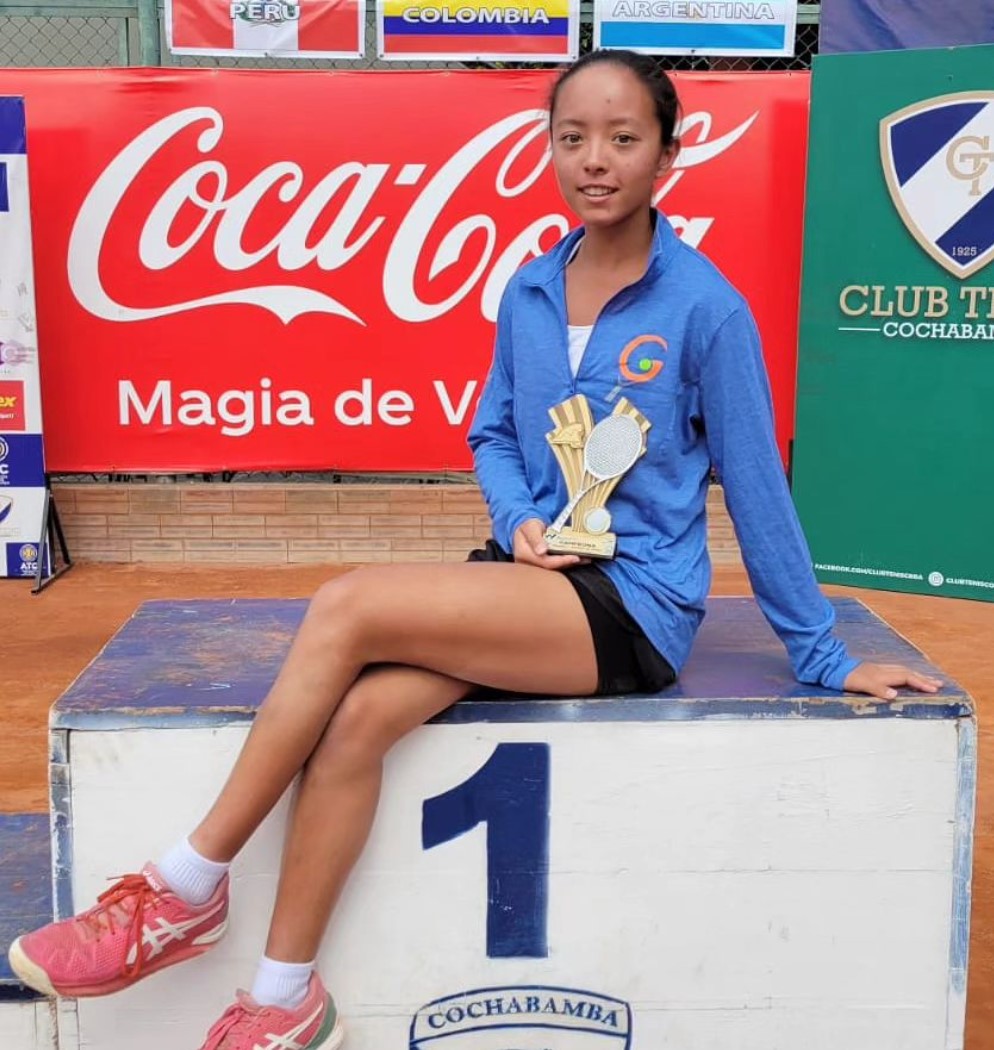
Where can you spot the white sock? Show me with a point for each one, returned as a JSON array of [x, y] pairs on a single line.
[[189, 875], [281, 984]]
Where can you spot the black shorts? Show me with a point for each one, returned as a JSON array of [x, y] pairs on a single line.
[[627, 662]]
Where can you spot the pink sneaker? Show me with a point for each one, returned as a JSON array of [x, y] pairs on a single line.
[[246, 1025], [137, 927]]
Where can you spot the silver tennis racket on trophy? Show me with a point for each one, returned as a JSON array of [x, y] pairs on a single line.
[[593, 459]]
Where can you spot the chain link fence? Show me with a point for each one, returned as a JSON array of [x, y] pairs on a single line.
[[82, 34], [76, 40]]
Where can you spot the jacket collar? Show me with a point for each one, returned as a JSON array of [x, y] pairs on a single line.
[[549, 267]]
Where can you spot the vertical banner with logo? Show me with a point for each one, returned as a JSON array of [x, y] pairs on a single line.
[[22, 465], [896, 366], [262, 28], [508, 30], [688, 27]]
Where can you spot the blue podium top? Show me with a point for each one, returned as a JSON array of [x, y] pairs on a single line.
[[211, 662]]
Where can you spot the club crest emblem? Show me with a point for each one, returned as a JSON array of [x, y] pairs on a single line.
[[938, 159]]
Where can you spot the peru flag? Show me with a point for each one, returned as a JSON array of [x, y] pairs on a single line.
[[282, 28]]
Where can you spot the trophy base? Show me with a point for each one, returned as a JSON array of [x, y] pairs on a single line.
[[584, 544]]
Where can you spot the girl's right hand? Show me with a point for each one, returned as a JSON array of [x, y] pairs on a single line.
[[530, 548]]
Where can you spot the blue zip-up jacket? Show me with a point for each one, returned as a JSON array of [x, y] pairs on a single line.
[[709, 404]]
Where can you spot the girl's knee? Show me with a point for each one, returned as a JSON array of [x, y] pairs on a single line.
[[358, 733], [331, 595], [348, 600]]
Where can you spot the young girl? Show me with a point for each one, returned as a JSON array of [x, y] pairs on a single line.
[[381, 650]]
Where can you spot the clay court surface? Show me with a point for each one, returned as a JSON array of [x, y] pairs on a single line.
[[48, 639]]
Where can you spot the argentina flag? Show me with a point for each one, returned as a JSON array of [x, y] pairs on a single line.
[[938, 160], [697, 27]]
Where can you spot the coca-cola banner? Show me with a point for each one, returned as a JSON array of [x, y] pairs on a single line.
[[263, 270]]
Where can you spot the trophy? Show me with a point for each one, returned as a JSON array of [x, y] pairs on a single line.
[[593, 458]]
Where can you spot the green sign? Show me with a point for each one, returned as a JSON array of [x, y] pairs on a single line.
[[895, 402]]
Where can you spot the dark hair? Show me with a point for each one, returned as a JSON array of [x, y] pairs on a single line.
[[652, 76]]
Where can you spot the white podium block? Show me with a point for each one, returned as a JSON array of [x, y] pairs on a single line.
[[741, 862]]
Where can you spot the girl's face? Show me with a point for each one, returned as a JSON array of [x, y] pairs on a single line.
[[607, 145]]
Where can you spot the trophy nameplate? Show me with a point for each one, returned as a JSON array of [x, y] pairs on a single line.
[[593, 458]]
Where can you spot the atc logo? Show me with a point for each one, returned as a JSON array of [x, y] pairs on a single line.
[[27, 560], [22, 559], [527, 1016], [11, 405], [938, 159]]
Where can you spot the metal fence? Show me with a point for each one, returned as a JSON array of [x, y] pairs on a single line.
[[102, 33]]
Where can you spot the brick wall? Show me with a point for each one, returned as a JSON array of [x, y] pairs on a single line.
[[268, 523]]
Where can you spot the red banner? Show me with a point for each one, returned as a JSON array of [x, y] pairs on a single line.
[[275, 270]]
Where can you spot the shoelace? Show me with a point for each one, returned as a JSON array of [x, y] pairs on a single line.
[[105, 917], [237, 1014]]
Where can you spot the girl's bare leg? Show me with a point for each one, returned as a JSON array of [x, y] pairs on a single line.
[[510, 626], [337, 798]]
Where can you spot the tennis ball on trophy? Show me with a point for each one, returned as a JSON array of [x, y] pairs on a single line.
[[597, 520]]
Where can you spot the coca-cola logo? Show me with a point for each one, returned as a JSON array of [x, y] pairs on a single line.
[[342, 204]]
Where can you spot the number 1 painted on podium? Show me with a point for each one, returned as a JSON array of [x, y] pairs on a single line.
[[510, 794]]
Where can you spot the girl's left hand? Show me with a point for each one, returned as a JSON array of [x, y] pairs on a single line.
[[883, 680]]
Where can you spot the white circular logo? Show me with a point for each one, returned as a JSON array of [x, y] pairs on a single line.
[[4, 449], [936, 579]]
